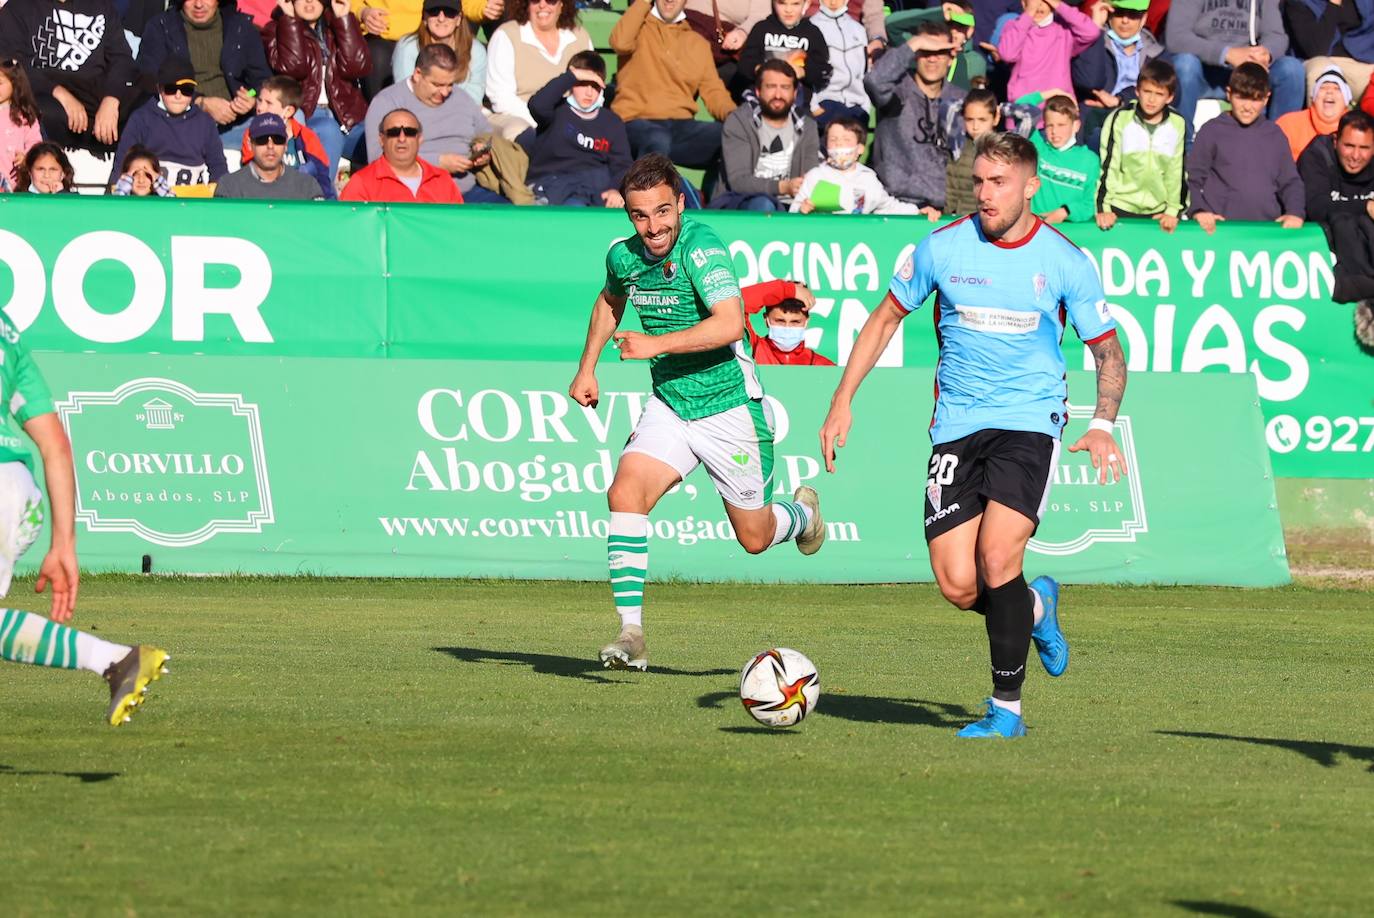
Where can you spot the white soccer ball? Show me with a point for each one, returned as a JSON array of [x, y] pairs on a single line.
[[779, 687]]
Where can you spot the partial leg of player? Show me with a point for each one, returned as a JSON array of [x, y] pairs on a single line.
[[29, 638]]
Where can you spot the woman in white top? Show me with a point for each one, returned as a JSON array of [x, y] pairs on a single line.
[[533, 47], [443, 22]]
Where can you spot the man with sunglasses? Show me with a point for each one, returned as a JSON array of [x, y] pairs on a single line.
[[266, 176], [400, 176], [185, 139]]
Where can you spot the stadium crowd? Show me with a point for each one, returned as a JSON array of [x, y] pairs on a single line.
[[812, 106]]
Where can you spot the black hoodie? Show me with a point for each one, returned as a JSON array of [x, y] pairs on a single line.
[[77, 44], [1333, 196], [803, 43]]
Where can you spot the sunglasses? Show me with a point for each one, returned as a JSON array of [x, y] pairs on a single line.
[[443, 12], [546, 2], [276, 139], [178, 89], [407, 130]]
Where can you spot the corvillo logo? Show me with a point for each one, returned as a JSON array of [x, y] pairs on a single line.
[[1081, 512], [171, 465]]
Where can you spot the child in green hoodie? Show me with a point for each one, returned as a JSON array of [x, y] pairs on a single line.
[[1068, 171], [1142, 154]]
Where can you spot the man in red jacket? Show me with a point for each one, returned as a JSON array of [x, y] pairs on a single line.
[[401, 176], [786, 306]]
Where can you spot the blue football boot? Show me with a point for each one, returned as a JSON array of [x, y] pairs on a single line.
[[1048, 636], [997, 723]]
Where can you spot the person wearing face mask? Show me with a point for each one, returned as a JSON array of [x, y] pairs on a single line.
[[1068, 170], [786, 307], [581, 151], [842, 184]]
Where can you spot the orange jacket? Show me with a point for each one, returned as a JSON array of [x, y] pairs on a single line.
[[377, 183]]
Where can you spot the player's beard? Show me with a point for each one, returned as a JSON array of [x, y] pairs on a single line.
[[996, 225]]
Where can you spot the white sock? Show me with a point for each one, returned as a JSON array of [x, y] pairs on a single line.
[[96, 655], [627, 560], [1039, 606], [790, 520], [1012, 706]]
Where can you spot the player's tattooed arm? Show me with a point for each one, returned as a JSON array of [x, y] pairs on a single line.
[[1111, 376]]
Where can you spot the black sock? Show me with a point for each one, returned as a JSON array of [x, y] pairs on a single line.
[[980, 603], [1009, 618]]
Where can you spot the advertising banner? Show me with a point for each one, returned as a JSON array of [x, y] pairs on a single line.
[[469, 468], [480, 283]]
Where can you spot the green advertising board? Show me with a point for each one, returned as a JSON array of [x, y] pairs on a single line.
[[476, 283], [487, 468]]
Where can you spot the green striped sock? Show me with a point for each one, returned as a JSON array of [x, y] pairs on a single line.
[[627, 558], [791, 519], [29, 638]]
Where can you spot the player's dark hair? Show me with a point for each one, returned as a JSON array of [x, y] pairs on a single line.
[[436, 55], [1355, 120], [775, 65], [983, 97], [852, 125], [1063, 105], [1249, 81], [1006, 147], [588, 60], [650, 171], [287, 87], [1161, 73]]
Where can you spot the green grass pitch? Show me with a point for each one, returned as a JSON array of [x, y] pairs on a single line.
[[444, 748]]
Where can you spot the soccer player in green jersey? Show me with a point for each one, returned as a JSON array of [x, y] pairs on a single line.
[[707, 406], [24, 636]]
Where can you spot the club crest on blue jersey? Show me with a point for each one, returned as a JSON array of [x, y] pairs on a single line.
[[1039, 281]]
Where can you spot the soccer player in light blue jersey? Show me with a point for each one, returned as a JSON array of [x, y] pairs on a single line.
[[1005, 283]]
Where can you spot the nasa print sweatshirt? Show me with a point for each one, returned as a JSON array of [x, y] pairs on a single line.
[[803, 46], [76, 44]]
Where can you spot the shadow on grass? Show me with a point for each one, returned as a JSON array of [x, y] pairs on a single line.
[[758, 729], [586, 669], [1323, 754], [870, 709], [1225, 909], [85, 777]]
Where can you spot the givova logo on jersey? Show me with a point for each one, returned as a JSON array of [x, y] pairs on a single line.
[[67, 39], [1081, 511]]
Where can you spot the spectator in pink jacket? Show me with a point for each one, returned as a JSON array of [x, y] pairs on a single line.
[[18, 121], [1040, 43]]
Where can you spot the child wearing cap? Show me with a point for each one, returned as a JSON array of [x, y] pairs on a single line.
[[281, 96], [185, 138], [1330, 99], [580, 151], [1040, 43]]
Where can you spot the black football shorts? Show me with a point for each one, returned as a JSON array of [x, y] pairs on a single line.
[[1011, 467]]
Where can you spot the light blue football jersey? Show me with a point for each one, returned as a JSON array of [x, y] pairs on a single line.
[[999, 319]]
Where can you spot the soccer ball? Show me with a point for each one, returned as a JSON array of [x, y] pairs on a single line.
[[779, 687]]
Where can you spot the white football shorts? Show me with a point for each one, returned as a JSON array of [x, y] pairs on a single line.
[[21, 517], [736, 446]]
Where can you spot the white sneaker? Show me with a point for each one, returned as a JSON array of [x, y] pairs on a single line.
[[813, 536], [628, 651]]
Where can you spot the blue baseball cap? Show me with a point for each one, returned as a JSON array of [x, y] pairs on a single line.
[[265, 125]]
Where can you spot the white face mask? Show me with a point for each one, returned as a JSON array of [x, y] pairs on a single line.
[[834, 14], [600, 99], [786, 337], [842, 158]]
